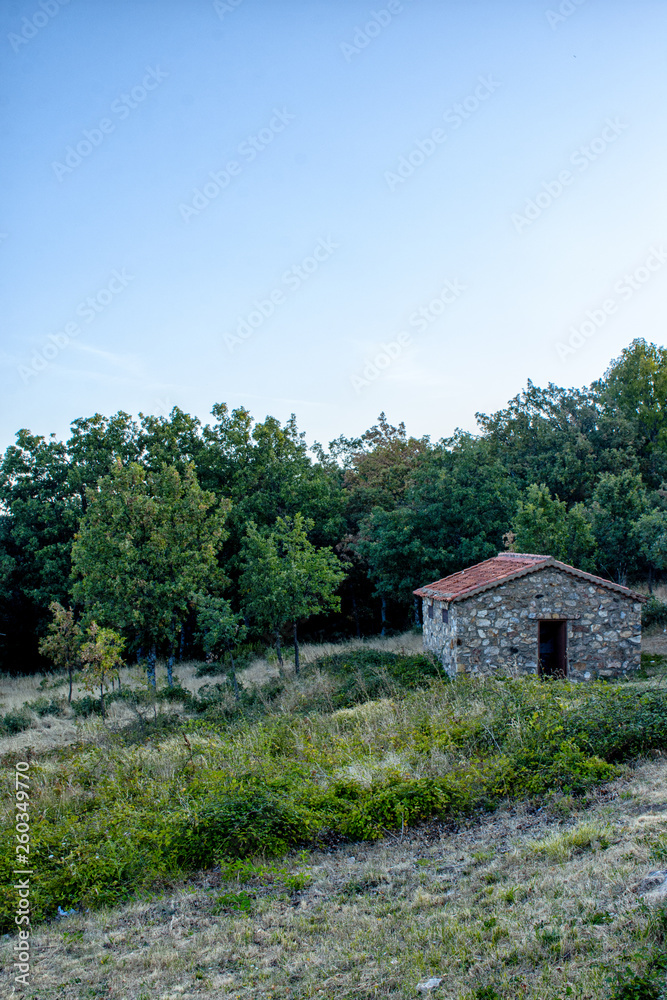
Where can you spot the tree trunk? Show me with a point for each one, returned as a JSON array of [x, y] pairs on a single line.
[[650, 579], [70, 672], [417, 622], [383, 613], [104, 714], [296, 650], [235, 683], [181, 644], [150, 668], [170, 670], [279, 649]]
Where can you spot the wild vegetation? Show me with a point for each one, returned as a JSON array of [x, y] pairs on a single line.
[[131, 523], [235, 758], [261, 798]]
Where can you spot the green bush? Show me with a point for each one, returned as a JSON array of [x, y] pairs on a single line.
[[241, 824], [176, 693], [89, 705], [47, 706], [654, 612], [647, 985], [368, 674], [15, 721], [393, 805]]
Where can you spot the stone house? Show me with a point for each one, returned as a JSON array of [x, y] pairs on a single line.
[[530, 614]]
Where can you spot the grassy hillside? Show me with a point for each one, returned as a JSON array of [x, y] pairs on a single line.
[[365, 745]]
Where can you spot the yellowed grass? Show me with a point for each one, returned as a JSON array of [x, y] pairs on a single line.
[[49, 732], [483, 904], [262, 670]]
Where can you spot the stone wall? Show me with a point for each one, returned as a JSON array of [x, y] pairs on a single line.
[[496, 631]]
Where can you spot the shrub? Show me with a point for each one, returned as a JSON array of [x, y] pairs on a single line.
[[47, 706], [85, 706], [646, 985], [654, 612], [247, 779], [368, 674], [393, 805], [16, 721], [241, 824]]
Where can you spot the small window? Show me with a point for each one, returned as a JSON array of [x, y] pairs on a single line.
[[445, 615], [430, 610]]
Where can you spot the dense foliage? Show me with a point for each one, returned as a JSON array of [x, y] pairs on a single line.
[[134, 521]]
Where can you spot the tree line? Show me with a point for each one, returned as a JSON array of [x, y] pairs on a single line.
[[187, 538]]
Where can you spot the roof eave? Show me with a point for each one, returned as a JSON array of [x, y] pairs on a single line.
[[526, 571]]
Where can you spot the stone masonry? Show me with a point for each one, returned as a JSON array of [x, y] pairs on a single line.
[[496, 630]]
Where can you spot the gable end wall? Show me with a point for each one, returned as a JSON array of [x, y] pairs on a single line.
[[496, 631]]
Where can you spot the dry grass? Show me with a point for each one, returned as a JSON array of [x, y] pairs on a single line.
[[48, 732], [264, 669], [527, 902]]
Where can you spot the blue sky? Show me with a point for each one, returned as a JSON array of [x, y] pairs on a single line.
[[419, 205]]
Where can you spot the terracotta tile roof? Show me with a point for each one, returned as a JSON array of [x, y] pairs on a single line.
[[501, 568]]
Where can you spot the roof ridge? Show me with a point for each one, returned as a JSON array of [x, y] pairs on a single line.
[[521, 555]]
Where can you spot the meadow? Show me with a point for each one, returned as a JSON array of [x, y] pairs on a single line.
[[353, 831]]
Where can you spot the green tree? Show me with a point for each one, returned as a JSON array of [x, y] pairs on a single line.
[[173, 440], [220, 630], [262, 599], [455, 512], [38, 521], [147, 545], [302, 579], [543, 524], [266, 471], [565, 438], [63, 642], [634, 388], [378, 467], [649, 533], [94, 445], [43, 485], [618, 502], [389, 541], [101, 656]]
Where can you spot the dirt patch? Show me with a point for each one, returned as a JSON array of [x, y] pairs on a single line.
[[655, 641]]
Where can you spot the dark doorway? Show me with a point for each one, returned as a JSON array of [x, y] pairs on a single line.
[[551, 643]]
